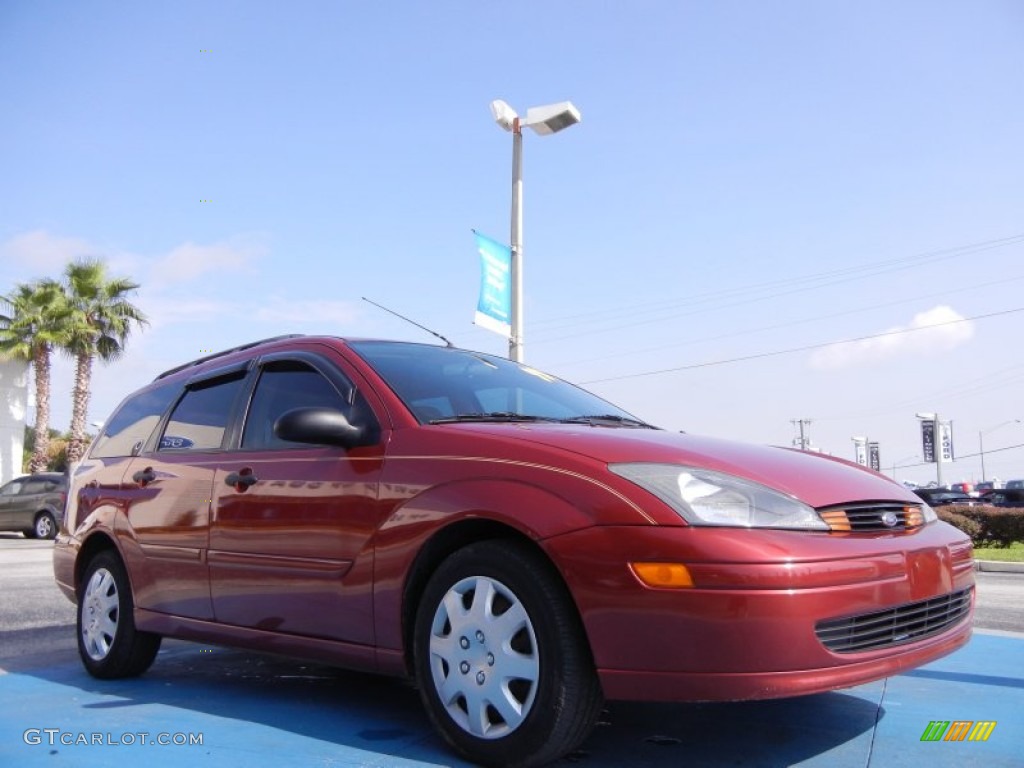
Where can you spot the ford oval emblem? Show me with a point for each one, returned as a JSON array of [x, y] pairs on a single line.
[[889, 519]]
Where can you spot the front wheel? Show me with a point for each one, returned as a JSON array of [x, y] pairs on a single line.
[[108, 642], [500, 657]]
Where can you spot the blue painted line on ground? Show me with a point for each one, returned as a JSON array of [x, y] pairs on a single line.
[[261, 711]]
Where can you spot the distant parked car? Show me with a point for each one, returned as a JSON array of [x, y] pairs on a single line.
[[988, 485], [1006, 498], [33, 504], [939, 497], [967, 488]]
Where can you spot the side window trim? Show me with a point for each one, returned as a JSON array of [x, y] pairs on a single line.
[[343, 385], [346, 388], [206, 379]]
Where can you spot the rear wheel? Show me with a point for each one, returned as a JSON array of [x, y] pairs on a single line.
[[501, 661], [45, 527], [108, 642]]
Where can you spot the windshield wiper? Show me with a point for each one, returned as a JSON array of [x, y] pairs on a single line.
[[605, 419], [490, 416]]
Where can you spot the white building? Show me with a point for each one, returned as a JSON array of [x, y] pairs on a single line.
[[13, 407]]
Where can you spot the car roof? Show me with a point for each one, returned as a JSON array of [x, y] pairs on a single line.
[[225, 352], [202, 361], [42, 476]]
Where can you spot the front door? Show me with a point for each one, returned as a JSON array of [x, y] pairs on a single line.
[[291, 521]]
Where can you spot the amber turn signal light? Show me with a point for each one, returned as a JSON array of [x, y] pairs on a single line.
[[664, 575]]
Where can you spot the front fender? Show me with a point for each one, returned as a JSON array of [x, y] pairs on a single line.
[[532, 511]]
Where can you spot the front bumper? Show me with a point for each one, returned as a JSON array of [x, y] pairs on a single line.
[[747, 627]]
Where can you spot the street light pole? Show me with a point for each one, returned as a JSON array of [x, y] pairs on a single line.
[[543, 120], [515, 341], [981, 450], [981, 442]]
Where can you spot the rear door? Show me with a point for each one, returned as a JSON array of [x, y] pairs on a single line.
[[30, 499], [291, 521], [173, 491]]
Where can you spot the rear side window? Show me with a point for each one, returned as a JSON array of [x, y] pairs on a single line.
[[201, 417], [32, 487], [134, 422]]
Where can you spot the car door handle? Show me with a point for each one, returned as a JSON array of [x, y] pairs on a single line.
[[144, 476], [241, 480]]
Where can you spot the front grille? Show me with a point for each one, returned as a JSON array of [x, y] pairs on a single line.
[[894, 626], [873, 518]]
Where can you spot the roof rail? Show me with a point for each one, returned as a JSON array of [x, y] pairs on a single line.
[[239, 348]]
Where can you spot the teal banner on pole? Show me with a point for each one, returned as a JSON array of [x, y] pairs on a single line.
[[494, 308]]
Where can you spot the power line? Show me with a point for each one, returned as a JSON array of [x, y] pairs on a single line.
[[992, 380], [962, 456], [803, 283], [802, 321], [802, 348]]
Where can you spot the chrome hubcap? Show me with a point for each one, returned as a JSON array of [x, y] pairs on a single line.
[[99, 614], [483, 657], [44, 527]]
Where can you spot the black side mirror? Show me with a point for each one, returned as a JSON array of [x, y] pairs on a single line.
[[318, 426]]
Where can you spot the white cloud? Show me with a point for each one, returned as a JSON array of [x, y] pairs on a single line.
[[166, 310], [939, 329], [189, 260], [38, 254]]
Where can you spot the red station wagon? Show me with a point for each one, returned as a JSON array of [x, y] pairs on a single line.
[[520, 547]]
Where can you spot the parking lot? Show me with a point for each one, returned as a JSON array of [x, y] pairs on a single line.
[[254, 710]]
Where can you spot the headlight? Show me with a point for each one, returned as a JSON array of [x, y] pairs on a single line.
[[705, 497]]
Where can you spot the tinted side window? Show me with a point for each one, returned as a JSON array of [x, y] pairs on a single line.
[[11, 489], [199, 420], [34, 486], [134, 422], [282, 386]]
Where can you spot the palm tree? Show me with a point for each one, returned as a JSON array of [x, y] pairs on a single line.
[[30, 332], [100, 319]]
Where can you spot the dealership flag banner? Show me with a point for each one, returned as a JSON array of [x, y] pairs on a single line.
[[928, 440], [937, 447], [860, 451], [945, 440], [494, 309], [874, 457]]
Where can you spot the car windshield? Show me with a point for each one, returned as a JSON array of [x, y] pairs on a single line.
[[440, 384]]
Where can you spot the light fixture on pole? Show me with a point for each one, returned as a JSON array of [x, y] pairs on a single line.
[[544, 121]]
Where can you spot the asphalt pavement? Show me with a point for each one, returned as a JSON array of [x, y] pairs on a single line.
[[254, 710]]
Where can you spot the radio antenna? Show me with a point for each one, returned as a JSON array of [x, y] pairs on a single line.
[[432, 333]]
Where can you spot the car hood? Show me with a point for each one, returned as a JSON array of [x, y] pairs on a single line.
[[813, 478]]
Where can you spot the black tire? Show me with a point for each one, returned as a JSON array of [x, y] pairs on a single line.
[[44, 527], [528, 627], [108, 642]]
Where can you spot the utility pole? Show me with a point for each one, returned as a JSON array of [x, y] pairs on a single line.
[[804, 441]]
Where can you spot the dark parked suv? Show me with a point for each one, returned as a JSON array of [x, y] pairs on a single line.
[[33, 504]]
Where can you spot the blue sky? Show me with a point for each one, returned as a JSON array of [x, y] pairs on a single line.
[[748, 178]]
